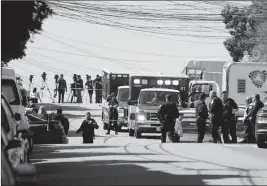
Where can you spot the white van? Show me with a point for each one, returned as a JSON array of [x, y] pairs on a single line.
[[11, 91]]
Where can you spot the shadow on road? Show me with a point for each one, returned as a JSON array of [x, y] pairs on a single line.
[[112, 172]]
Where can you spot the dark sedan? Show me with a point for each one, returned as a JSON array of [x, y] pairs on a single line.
[[261, 128]]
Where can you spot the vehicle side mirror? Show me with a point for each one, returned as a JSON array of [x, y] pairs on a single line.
[[25, 174], [27, 134], [17, 117], [13, 144]]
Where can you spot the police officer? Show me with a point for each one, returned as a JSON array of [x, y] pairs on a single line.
[[201, 117], [89, 86], [113, 114], [216, 110], [80, 89], [88, 128], [62, 87], [110, 96], [257, 105], [167, 115], [229, 120]]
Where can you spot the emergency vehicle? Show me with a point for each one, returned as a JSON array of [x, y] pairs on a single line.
[[146, 93], [111, 81]]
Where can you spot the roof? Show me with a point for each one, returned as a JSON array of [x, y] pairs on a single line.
[[229, 65], [208, 65], [161, 75], [159, 89], [126, 86], [202, 81], [8, 73]]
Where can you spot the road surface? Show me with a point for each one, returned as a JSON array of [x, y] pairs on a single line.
[[122, 160]]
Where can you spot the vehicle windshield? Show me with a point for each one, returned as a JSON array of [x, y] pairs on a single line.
[[195, 96], [10, 91], [123, 94], [157, 97], [203, 88]]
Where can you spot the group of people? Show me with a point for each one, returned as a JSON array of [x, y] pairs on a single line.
[[78, 86], [222, 115], [220, 111]]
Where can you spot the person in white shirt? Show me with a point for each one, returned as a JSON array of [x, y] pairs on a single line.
[[34, 96]]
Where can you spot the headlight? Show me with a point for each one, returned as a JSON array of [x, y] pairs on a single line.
[[141, 117], [121, 112], [261, 120]]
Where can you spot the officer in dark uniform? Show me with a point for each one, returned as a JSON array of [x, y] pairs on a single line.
[[257, 105], [248, 138], [64, 120], [216, 110], [62, 87], [89, 86], [88, 128], [229, 120], [110, 96], [201, 117], [167, 115], [113, 114], [98, 89]]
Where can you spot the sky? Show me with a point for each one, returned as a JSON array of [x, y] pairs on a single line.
[[67, 46]]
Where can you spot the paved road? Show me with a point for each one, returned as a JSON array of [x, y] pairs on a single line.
[[120, 160]]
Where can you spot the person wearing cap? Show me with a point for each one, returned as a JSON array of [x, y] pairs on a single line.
[[62, 88], [89, 87], [167, 115], [229, 120], [216, 111], [88, 128], [201, 117]]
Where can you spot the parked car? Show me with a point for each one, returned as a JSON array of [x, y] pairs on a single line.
[[11, 130], [11, 90], [22, 174], [47, 131], [261, 128]]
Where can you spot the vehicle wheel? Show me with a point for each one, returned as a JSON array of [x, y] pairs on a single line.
[[261, 144], [138, 134], [131, 132], [105, 126]]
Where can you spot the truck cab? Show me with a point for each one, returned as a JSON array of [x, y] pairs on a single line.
[[146, 117]]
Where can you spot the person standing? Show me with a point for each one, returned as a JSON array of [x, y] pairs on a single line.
[[88, 128], [89, 86], [64, 120], [62, 88], [79, 89], [34, 96], [216, 110], [167, 115], [248, 125], [113, 114], [229, 120], [98, 89], [201, 117], [257, 105]]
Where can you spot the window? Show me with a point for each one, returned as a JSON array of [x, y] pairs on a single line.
[[123, 94], [10, 91], [241, 86], [157, 97]]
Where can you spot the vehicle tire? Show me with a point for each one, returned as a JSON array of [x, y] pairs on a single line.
[[261, 144], [131, 132], [138, 134]]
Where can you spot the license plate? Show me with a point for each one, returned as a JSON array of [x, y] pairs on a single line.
[[158, 128]]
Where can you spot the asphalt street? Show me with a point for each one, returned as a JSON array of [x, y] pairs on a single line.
[[121, 160]]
